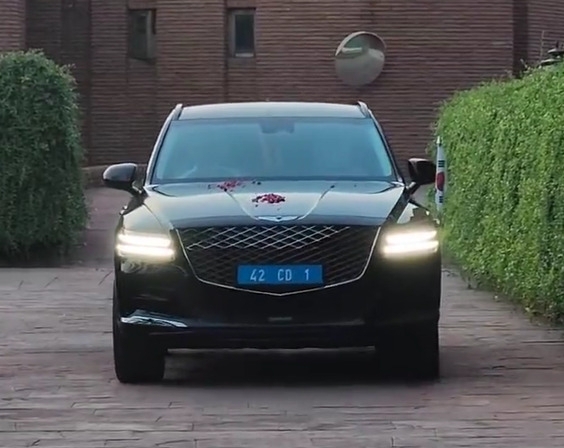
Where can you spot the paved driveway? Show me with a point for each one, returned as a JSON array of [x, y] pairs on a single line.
[[502, 379]]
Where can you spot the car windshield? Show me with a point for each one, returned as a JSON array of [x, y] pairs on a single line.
[[273, 148]]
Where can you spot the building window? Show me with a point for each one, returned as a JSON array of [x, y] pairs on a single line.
[[241, 28], [142, 33]]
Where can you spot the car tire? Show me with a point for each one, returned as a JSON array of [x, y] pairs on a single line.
[[136, 360], [412, 351]]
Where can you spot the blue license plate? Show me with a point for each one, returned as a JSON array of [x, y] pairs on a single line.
[[280, 275]]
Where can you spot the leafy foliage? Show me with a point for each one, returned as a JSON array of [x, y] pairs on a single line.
[[42, 205], [504, 205]]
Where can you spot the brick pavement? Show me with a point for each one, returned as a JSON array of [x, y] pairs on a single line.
[[501, 387]]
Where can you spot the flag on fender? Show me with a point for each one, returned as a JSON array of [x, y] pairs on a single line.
[[440, 178]]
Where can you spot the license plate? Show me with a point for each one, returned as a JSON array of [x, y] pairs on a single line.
[[280, 275]]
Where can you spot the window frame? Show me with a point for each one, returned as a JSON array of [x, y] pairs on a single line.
[[146, 52], [232, 14]]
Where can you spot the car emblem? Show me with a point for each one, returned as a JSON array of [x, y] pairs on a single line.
[[277, 218]]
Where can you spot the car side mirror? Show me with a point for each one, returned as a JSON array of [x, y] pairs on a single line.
[[422, 172], [121, 177]]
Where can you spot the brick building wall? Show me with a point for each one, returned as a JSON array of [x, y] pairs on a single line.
[[434, 47], [12, 25], [61, 28], [545, 27]]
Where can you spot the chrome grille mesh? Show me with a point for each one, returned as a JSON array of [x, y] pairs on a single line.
[[216, 252], [262, 237]]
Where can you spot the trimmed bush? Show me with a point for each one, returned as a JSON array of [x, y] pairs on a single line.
[[504, 206], [42, 205]]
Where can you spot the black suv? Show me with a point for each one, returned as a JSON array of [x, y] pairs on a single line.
[[274, 225]]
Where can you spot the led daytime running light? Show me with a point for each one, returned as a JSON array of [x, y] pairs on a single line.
[[411, 243], [144, 245], [411, 237], [144, 240]]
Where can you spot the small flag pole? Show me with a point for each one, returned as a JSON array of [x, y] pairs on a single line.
[[440, 178]]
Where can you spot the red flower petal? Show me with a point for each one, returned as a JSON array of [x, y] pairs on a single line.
[[229, 185], [270, 198]]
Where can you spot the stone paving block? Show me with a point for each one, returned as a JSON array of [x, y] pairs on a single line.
[[283, 441], [49, 443]]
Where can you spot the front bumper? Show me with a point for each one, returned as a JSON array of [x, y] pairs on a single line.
[[174, 332], [167, 303]]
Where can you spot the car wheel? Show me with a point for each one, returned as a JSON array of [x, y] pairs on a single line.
[[412, 351], [136, 360]]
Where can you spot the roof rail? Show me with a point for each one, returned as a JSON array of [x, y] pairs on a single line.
[[363, 108], [177, 111]]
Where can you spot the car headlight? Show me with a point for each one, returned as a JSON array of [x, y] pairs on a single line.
[[410, 242], [144, 245]]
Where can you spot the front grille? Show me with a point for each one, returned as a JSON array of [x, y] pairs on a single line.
[[216, 252]]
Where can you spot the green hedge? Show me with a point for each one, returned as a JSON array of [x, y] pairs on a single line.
[[42, 206], [504, 206]]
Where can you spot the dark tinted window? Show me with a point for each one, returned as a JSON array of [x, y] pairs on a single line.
[[142, 34], [242, 32], [272, 148]]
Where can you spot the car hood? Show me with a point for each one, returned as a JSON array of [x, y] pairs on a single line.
[[181, 205]]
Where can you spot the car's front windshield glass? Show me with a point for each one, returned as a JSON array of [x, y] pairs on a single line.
[[272, 148]]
